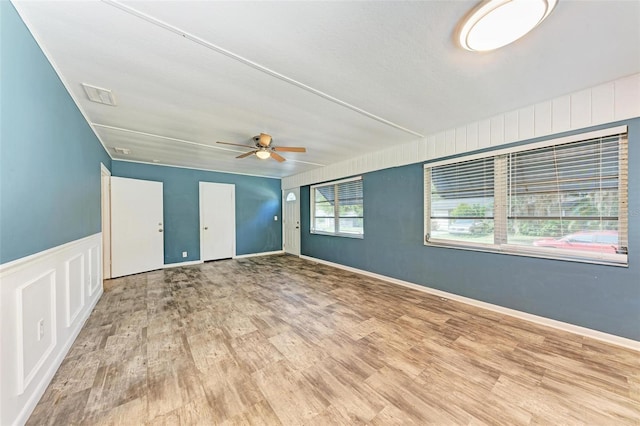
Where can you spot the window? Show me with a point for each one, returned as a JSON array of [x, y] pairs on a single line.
[[565, 198], [337, 208]]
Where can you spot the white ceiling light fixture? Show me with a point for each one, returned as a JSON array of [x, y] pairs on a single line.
[[496, 23], [263, 154]]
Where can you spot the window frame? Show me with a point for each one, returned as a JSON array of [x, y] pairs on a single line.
[[336, 209], [500, 244]]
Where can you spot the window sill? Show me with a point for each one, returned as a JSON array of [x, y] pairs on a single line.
[[333, 234], [607, 260]]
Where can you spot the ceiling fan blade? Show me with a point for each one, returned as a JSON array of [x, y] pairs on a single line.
[[235, 144], [289, 149], [246, 154], [278, 157], [264, 139]]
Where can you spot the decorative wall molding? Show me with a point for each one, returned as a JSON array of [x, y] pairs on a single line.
[[559, 325], [23, 305], [74, 286], [602, 104], [44, 302], [94, 264]]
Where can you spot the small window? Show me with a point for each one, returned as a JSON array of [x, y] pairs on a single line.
[[291, 197], [561, 199], [337, 208]]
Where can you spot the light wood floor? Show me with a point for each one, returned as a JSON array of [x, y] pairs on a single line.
[[279, 340]]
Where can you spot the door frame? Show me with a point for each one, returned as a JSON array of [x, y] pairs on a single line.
[[285, 220], [105, 219], [200, 225]]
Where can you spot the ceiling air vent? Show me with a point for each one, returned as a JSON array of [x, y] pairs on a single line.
[[99, 95], [123, 151]]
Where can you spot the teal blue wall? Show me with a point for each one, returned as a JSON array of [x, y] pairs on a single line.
[[258, 200], [49, 157], [604, 298]]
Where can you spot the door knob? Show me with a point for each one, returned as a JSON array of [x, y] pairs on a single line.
[[206, 227], [159, 230]]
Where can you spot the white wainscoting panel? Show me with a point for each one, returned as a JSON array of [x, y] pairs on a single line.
[[45, 299], [74, 287], [35, 326], [95, 263], [602, 104]]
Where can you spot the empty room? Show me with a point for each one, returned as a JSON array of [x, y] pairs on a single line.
[[320, 212]]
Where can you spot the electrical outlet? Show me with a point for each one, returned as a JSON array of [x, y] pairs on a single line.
[[275, 218], [184, 254], [40, 329]]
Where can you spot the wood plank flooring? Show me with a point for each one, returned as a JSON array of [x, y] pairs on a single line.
[[279, 340]]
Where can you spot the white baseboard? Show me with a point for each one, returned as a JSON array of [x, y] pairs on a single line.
[[57, 288], [264, 253], [571, 328], [175, 265]]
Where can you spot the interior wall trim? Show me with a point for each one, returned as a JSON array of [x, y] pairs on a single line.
[[264, 253], [16, 265], [44, 302], [548, 322], [176, 265]]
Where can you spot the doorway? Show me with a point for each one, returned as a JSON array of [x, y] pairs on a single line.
[[217, 221], [291, 220]]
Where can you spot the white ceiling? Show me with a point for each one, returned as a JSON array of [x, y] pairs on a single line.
[[340, 77]]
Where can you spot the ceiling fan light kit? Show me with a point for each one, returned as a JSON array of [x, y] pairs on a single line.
[[263, 154], [496, 23], [263, 148]]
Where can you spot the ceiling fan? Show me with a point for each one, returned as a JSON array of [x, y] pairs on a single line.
[[263, 148]]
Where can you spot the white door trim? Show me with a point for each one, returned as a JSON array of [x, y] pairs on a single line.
[[105, 218]]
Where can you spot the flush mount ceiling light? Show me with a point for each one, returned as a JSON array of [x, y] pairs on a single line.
[[263, 154], [496, 23]]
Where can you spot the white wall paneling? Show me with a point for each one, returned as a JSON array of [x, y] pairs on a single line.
[[497, 131], [602, 104], [94, 272], [561, 114], [45, 299], [35, 326], [74, 287]]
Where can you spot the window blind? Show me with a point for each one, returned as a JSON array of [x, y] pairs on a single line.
[[564, 198], [570, 191], [462, 198]]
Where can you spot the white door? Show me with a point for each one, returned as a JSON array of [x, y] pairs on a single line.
[[291, 220], [217, 221], [137, 239]]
